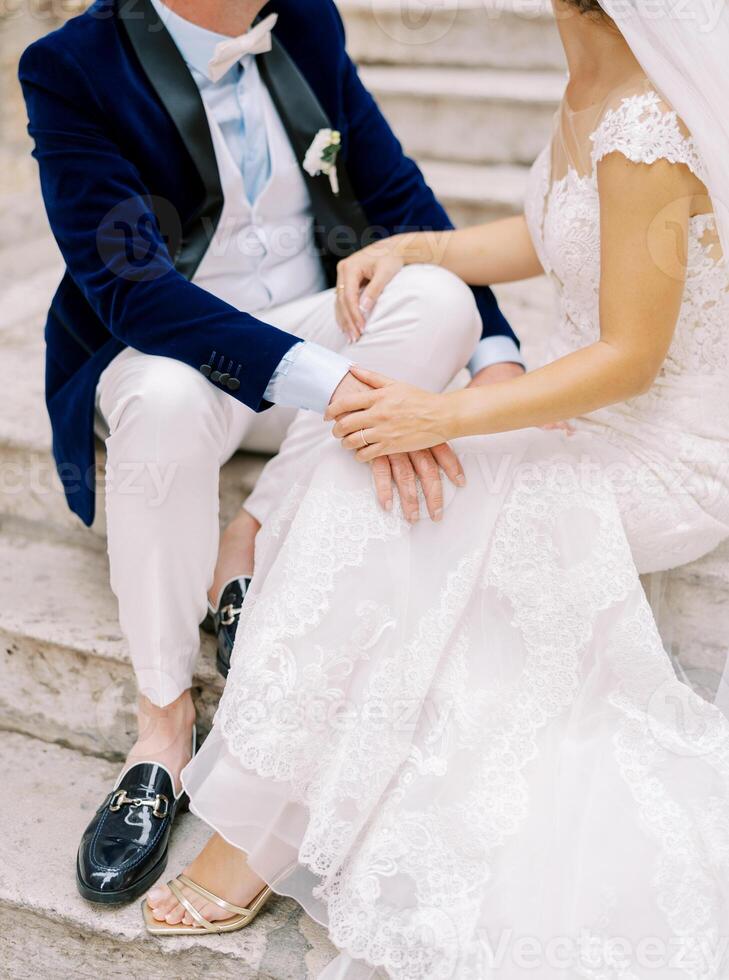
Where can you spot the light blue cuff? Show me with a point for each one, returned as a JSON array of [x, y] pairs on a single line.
[[307, 377], [494, 350]]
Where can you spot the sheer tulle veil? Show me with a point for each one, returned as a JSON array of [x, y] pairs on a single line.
[[683, 47]]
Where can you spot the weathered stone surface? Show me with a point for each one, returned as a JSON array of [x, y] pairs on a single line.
[[478, 33], [30, 271], [473, 194], [466, 114], [66, 672], [49, 794], [693, 614]]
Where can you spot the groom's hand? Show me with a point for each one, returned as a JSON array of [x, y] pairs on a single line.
[[496, 372], [406, 469], [505, 372]]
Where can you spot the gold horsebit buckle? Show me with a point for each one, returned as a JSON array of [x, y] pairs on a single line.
[[160, 803], [229, 614]]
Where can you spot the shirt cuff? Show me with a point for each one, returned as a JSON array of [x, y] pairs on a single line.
[[494, 350], [307, 377]]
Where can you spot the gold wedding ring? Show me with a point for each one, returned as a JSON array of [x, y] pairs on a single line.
[[363, 438]]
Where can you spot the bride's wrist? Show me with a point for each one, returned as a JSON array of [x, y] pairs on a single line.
[[399, 245], [466, 412], [450, 415], [411, 248], [393, 246]]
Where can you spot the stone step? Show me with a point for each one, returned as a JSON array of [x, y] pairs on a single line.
[[49, 794], [466, 114], [67, 676], [477, 33], [475, 193], [26, 246]]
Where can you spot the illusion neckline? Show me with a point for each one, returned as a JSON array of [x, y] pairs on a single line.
[[626, 84]]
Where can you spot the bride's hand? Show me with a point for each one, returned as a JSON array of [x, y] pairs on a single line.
[[360, 281], [392, 417]]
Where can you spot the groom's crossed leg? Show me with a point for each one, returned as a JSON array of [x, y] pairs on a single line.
[[171, 431], [423, 330]]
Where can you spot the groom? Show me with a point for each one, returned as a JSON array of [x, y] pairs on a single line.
[[200, 252]]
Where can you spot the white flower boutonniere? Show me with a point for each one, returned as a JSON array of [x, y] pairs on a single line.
[[321, 157]]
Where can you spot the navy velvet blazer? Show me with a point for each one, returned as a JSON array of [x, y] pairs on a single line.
[[133, 196]]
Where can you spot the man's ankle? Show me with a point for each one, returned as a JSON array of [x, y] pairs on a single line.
[[167, 722], [235, 556]]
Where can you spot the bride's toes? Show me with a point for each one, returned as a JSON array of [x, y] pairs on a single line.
[[176, 916], [161, 900], [213, 913]]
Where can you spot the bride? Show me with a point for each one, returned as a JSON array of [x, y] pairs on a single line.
[[461, 745]]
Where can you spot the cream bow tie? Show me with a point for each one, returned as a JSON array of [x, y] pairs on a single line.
[[255, 41]]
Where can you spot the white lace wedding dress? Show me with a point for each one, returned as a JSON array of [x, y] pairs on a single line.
[[462, 746]]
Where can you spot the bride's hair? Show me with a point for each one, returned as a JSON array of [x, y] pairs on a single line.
[[587, 6]]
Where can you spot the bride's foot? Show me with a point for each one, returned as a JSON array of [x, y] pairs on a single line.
[[220, 868]]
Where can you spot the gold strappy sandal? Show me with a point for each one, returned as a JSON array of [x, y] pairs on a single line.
[[240, 918]]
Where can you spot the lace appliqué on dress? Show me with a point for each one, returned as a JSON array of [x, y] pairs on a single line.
[[644, 129]]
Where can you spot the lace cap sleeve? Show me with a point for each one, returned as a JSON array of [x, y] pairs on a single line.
[[644, 129]]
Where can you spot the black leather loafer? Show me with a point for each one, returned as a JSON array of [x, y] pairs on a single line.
[[223, 621], [124, 849]]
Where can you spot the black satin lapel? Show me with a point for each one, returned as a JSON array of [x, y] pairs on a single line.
[[167, 72], [339, 216]]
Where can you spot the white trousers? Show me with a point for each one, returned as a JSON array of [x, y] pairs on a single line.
[[170, 431]]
